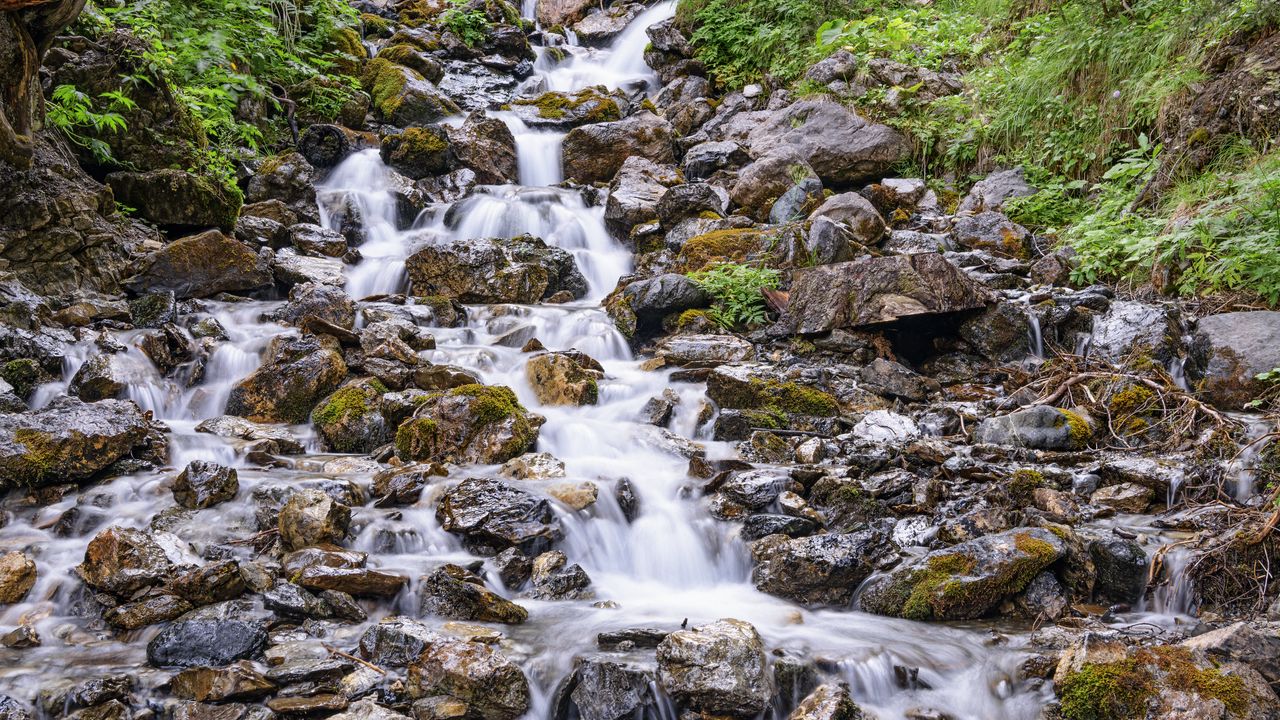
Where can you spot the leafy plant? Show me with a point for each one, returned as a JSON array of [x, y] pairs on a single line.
[[470, 25], [73, 113], [735, 291]]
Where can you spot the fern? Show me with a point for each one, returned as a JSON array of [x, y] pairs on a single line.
[[735, 292], [73, 114]]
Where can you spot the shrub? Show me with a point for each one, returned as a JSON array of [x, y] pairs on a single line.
[[735, 292]]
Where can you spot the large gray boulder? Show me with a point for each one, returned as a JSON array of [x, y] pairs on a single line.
[[634, 194], [1229, 351], [595, 153], [201, 265], [991, 192], [842, 148], [654, 298], [1040, 427], [71, 441], [818, 570], [521, 270], [717, 668], [606, 688], [877, 290]]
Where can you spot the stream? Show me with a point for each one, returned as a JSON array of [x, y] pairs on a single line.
[[673, 564]]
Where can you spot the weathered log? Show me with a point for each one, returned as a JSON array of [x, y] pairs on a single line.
[[27, 29]]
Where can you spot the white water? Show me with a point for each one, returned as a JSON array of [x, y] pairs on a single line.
[[673, 563]]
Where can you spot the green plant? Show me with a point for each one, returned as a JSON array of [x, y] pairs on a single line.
[[735, 291], [72, 113], [470, 25]]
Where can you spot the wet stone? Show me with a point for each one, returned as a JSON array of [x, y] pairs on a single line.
[[203, 484], [452, 592], [212, 636]]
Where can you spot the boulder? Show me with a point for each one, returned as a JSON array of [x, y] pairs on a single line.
[[994, 233], [1121, 569], [818, 570], [293, 269], [566, 110], [606, 688], [876, 290], [237, 682], [70, 440], [991, 192], [177, 198], [1229, 350], [122, 561], [965, 581], [105, 375], [452, 592], [396, 641], [471, 423], [634, 194], [759, 185], [350, 420], [1129, 328], [311, 239], [1041, 427], [550, 13], [311, 517], [297, 373], [553, 578], [311, 302], [404, 98], [690, 200], [704, 159], [856, 214], [895, 380], [717, 668], [17, 576], [485, 146], [598, 28], [490, 686], [215, 635], [564, 378], [595, 153], [1124, 497], [533, 466], [198, 266], [203, 484], [492, 515], [654, 298], [702, 351], [841, 147], [417, 152], [266, 438], [288, 180], [521, 270]]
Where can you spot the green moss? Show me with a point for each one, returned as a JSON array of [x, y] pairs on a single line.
[[718, 246], [41, 457], [385, 82], [348, 404], [1210, 683], [1080, 430], [422, 140], [1107, 691], [490, 403], [689, 317], [926, 583], [418, 439], [375, 26], [1023, 483], [1131, 399], [23, 374], [555, 105]]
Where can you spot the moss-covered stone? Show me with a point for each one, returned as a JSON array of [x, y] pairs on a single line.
[[418, 439], [470, 423], [1107, 691], [1023, 483], [719, 246], [24, 374], [349, 419], [586, 106]]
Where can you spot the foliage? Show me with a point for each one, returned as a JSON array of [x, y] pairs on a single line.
[[470, 25], [219, 54], [735, 290], [73, 112]]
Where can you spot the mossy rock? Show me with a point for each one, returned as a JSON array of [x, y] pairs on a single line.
[[587, 106], [739, 388], [418, 152], [349, 420], [471, 423], [966, 581], [24, 374], [734, 245]]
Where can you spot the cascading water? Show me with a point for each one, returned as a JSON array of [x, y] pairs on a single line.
[[673, 562]]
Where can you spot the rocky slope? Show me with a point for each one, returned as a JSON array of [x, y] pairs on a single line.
[[444, 420]]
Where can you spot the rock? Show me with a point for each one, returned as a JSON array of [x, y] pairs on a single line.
[[575, 495], [1228, 351], [564, 378], [201, 265], [761, 183], [1257, 647], [554, 579], [718, 668], [17, 576], [702, 351], [756, 527], [311, 239], [595, 153], [608, 689], [350, 420], [521, 270], [122, 561], [841, 147], [827, 702], [168, 348], [492, 515], [396, 641], [486, 146], [237, 682], [894, 380], [569, 109], [550, 13], [991, 192], [875, 290], [533, 466], [1121, 569], [452, 592], [321, 703], [965, 581], [634, 194], [886, 426], [704, 159], [105, 375], [856, 214], [177, 198], [70, 440], [993, 232], [654, 298], [402, 97], [896, 197], [689, 200], [296, 374], [211, 636], [796, 201], [1001, 333], [417, 152], [269, 439], [203, 484], [311, 517], [598, 28], [290, 180], [294, 269], [754, 489], [471, 423], [1125, 497], [208, 584], [818, 570], [1041, 427], [1130, 328], [310, 302], [353, 581], [367, 709], [491, 686]]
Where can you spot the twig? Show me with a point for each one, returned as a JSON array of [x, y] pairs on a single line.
[[353, 658]]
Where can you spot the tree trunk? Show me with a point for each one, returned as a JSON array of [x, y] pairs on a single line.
[[27, 29]]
